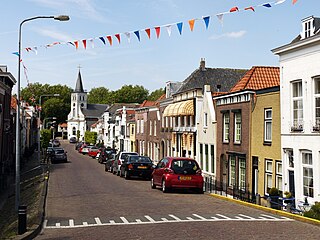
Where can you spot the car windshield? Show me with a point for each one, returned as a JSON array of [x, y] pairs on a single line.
[[124, 155], [182, 166], [59, 151], [139, 159]]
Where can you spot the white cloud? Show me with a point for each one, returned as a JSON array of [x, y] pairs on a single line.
[[80, 8], [54, 34], [238, 34]]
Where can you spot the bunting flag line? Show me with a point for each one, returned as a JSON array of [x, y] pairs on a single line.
[[168, 27]]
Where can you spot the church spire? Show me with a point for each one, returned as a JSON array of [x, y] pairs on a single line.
[[79, 86]]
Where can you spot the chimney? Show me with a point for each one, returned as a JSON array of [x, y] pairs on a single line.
[[202, 64], [218, 87]]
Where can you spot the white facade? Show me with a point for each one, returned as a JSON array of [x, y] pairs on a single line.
[[300, 116], [206, 134]]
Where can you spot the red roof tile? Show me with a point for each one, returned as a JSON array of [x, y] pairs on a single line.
[[258, 78], [147, 103]]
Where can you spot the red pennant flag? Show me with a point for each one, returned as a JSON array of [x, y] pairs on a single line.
[[234, 9], [191, 24], [110, 40], [157, 31], [294, 1], [84, 43], [148, 32], [249, 8], [118, 37], [76, 43]]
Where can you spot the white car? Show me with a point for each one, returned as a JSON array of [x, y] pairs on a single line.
[[119, 160], [85, 149]]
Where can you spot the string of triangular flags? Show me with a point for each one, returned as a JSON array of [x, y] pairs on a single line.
[[157, 29]]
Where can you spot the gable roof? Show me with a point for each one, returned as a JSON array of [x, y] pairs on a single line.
[[147, 103], [114, 107], [94, 110], [220, 79], [258, 77]]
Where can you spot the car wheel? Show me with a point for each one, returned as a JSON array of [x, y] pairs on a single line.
[[126, 175], [200, 190], [153, 186], [105, 168], [165, 189], [113, 171], [118, 173]]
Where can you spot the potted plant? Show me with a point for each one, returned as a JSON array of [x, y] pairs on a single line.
[[274, 195]]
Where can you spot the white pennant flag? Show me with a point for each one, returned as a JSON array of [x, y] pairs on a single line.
[[128, 36], [279, 2], [168, 27], [92, 43], [35, 50], [220, 17]]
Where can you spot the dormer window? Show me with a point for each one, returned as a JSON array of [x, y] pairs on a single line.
[[307, 27]]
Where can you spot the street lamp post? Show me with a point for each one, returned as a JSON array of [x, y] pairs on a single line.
[[39, 125], [17, 137]]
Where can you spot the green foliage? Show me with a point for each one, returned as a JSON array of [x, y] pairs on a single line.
[[78, 135], [90, 137], [45, 137], [100, 95], [274, 191], [55, 107], [156, 94], [131, 94], [314, 212]]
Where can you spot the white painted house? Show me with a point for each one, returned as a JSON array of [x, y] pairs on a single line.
[[300, 112]]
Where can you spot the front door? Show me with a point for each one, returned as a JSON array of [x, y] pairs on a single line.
[[291, 183]]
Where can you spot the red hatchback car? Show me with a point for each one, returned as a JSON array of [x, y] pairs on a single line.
[[177, 172]]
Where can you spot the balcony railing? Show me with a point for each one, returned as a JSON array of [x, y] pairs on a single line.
[[297, 126]]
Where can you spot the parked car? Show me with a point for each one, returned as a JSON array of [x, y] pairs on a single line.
[[85, 149], [135, 165], [58, 155], [55, 143], [73, 140], [78, 145], [177, 172], [108, 164], [93, 151], [118, 161], [105, 154]]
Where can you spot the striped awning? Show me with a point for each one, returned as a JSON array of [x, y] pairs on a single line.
[[183, 108]]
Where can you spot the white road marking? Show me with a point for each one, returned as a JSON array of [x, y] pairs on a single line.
[[150, 218], [196, 218], [45, 223], [98, 221], [174, 217], [124, 220], [71, 222]]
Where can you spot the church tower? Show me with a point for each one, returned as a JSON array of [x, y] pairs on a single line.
[[78, 98]]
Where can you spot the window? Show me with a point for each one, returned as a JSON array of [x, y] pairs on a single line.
[[226, 127], [74, 131], [297, 104], [150, 128], [132, 129], [268, 175], [237, 127], [307, 174], [232, 170], [142, 125], [201, 154], [206, 152], [317, 103], [279, 176], [205, 120], [242, 173], [268, 125], [138, 126], [155, 128], [307, 29], [212, 159]]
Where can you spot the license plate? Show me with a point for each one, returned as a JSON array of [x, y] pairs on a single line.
[[184, 178], [142, 167]]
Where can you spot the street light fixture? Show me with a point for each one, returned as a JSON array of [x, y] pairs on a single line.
[[39, 125], [17, 137]]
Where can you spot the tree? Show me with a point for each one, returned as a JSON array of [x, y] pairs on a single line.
[[100, 95], [156, 94], [90, 137], [55, 107], [131, 94]]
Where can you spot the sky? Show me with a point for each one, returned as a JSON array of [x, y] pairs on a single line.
[[242, 39]]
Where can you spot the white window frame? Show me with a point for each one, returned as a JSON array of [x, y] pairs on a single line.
[[242, 173], [317, 98], [226, 127], [150, 123], [279, 176], [297, 100], [268, 174], [307, 173], [268, 125], [232, 170], [142, 125], [237, 127], [155, 128]]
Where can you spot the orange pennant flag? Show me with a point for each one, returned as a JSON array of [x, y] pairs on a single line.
[[76, 43], [157, 31], [191, 24], [110, 40], [294, 1], [148, 32]]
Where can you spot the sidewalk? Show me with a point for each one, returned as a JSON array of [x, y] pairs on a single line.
[[32, 175]]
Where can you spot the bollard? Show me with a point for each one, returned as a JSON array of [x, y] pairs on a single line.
[[258, 199], [22, 219]]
